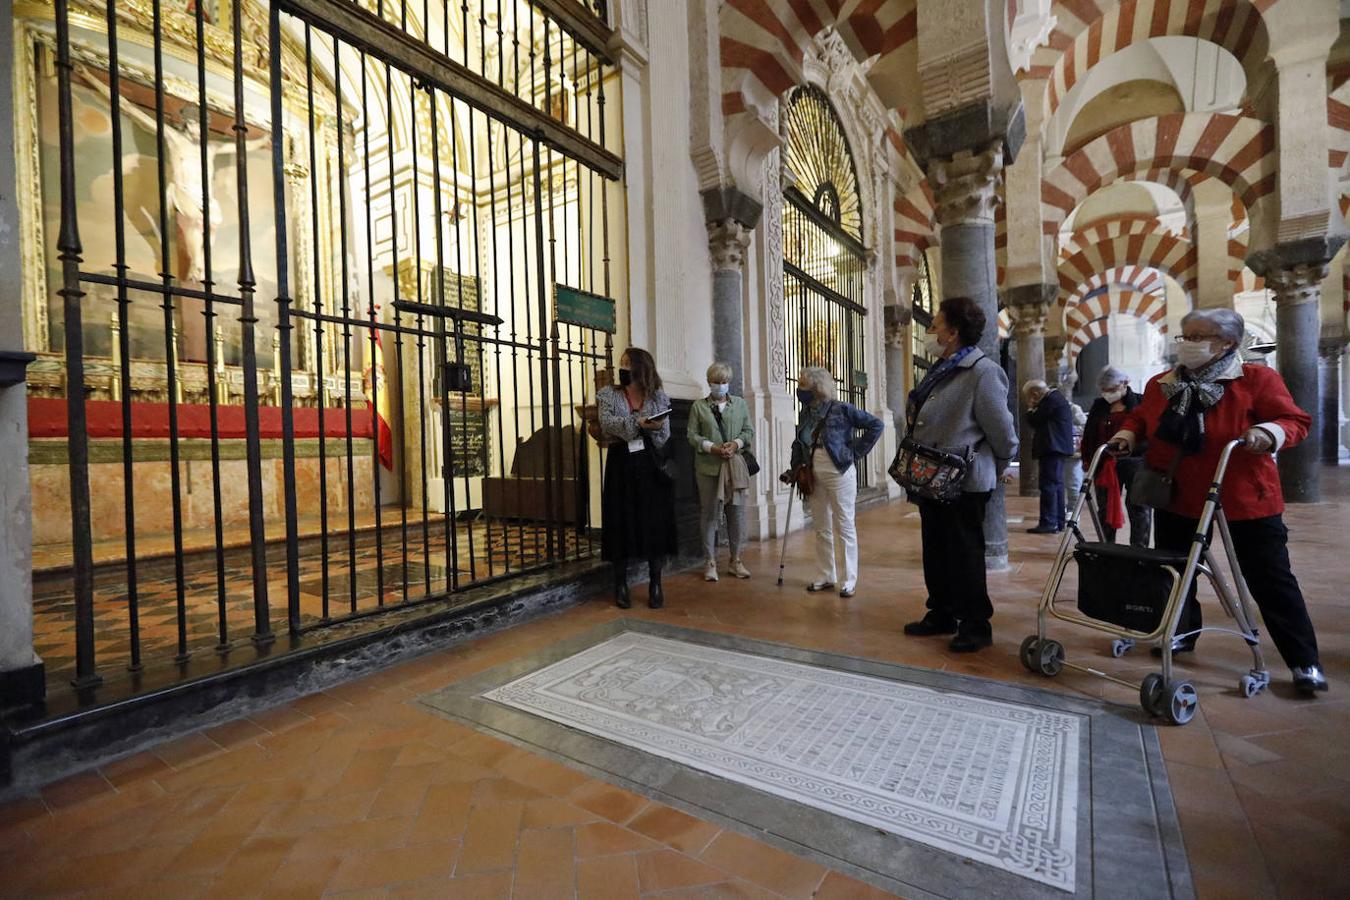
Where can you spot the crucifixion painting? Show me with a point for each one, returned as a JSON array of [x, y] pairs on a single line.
[[187, 152]]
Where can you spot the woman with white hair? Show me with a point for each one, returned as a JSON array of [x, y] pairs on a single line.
[[827, 446], [1187, 416], [1108, 412], [720, 432]]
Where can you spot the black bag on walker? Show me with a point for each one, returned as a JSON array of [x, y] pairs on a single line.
[[1122, 585]]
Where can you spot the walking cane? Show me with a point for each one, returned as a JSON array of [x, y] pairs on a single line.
[[782, 556]]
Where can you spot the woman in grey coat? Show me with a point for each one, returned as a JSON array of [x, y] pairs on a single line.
[[961, 403]]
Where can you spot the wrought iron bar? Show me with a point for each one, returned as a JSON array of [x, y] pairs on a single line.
[[284, 326], [68, 243], [248, 320]]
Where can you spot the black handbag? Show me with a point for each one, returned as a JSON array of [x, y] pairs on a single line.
[[928, 472], [751, 464], [1149, 487]]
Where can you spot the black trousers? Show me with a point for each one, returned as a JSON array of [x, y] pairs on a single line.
[[1050, 469], [1262, 547], [953, 560]]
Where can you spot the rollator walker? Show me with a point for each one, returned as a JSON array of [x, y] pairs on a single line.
[[1136, 596]]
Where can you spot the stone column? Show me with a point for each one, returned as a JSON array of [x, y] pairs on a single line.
[[727, 241], [1054, 348], [21, 671], [1298, 297], [1028, 305], [1330, 351], [965, 183], [898, 322], [731, 216]]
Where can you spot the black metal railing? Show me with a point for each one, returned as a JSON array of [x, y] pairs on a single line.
[[400, 416]]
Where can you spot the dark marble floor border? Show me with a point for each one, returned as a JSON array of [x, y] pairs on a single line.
[[1129, 838]]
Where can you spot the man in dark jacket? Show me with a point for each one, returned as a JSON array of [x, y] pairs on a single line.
[[1051, 444]]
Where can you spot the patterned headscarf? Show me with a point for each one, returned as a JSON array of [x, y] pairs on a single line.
[[1189, 393]]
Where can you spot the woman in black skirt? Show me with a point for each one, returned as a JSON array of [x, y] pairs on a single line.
[[638, 504]]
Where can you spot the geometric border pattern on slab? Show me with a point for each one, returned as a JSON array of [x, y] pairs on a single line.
[[1128, 837], [988, 780]]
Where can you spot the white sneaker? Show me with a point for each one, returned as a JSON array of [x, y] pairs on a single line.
[[738, 569], [710, 571]]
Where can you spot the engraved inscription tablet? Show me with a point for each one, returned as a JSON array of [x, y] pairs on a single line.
[[991, 781]]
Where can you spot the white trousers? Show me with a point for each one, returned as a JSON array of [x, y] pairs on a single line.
[[832, 505]]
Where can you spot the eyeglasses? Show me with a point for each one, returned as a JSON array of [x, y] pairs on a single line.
[[1195, 338]]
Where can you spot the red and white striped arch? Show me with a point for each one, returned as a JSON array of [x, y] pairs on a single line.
[[1142, 256], [1152, 308], [1117, 226], [1084, 335], [763, 42], [915, 215], [1141, 279], [1237, 150], [1088, 31]]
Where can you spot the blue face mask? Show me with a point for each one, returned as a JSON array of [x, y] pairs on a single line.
[[719, 390], [806, 396]]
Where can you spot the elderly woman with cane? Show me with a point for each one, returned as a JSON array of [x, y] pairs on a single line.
[[823, 454], [1188, 415]]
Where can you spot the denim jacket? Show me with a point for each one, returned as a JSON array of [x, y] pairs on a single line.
[[839, 436]]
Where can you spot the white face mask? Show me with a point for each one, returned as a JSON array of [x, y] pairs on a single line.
[[1194, 354], [932, 347], [1114, 395], [718, 391]]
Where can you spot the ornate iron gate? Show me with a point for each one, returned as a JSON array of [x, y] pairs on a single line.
[[364, 379], [824, 261]]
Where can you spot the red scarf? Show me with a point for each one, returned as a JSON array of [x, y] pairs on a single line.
[[1108, 480]]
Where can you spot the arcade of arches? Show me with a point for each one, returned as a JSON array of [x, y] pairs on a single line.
[[304, 306]]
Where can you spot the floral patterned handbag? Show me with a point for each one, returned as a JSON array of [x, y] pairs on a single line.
[[928, 472]]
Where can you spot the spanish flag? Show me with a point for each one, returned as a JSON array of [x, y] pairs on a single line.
[[378, 398]]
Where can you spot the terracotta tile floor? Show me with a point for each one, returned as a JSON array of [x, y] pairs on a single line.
[[356, 792]]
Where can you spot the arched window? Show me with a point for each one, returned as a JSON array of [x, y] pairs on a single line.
[[824, 261]]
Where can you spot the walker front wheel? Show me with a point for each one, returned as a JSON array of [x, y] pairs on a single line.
[[1028, 654], [1121, 646], [1050, 658], [1182, 702], [1150, 694]]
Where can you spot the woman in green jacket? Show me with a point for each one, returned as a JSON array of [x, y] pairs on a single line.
[[720, 432]]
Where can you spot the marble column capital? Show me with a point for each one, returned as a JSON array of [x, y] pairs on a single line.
[[1298, 284], [727, 241], [966, 185], [1028, 319], [898, 320], [1330, 349]]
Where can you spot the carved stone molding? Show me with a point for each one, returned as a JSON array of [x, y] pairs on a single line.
[[955, 79], [727, 241], [967, 185], [1028, 319], [1330, 349], [1297, 284]]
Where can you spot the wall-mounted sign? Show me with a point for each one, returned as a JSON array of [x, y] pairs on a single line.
[[578, 307]]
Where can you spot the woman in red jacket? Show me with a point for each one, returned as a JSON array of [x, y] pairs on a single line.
[[1209, 399]]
